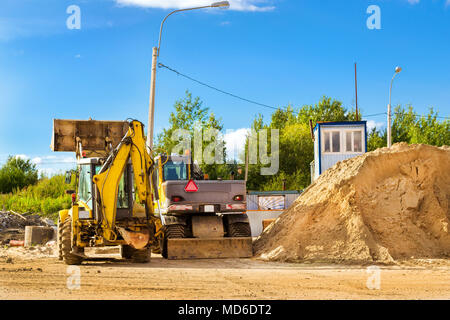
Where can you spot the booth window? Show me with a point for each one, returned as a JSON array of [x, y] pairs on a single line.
[[353, 141], [332, 141]]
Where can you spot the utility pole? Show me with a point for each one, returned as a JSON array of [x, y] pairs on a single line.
[[389, 136], [151, 113], [356, 94]]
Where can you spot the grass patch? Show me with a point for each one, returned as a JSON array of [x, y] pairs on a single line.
[[45, 198]]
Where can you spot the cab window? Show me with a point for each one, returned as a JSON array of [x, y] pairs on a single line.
[[85, 185], [122, 192], [175, 170]]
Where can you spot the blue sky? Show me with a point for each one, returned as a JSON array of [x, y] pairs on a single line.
[[275, 52]]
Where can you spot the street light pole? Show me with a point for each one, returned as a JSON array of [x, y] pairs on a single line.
[[389, 137], [155, 55]]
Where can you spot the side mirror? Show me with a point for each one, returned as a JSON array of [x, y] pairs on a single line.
[[68, 178], [70, 191]]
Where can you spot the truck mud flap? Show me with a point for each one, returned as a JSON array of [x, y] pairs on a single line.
[[214, 248]]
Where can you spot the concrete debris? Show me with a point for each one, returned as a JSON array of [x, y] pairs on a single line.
[[12, 225]]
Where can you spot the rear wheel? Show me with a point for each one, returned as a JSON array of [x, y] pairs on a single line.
[[66, 243], [173, 231], [239, 229]]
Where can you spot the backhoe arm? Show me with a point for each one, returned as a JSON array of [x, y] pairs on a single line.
[[107, 180]]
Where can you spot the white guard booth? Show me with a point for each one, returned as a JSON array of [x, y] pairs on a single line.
[[337, 141]]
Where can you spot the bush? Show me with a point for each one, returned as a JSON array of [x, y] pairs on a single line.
[[46, 198], [17, 173]]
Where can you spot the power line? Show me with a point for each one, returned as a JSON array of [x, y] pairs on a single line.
[[217, 89], [375, 115], [161, 65], [421, 116]]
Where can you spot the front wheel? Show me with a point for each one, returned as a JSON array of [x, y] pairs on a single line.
[[59, 241], [66, 236]]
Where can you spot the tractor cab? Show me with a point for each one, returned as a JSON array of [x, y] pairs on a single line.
[[85, 196]]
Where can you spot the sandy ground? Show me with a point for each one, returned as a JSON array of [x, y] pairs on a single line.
[[47, 278]]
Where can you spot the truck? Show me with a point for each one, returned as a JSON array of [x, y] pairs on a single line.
[[200, 218]]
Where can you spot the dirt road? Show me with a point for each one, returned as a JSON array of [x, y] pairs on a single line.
[[46, 278]]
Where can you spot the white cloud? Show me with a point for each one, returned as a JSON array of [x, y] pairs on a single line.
[[49, 165], [235, 142], [373, 124], [447, 3], [22, 156], [36, 160], [238, 5]]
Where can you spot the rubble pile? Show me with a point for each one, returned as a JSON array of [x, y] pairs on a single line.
[[12, 225]]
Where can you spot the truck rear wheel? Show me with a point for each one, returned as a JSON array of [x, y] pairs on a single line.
[[173, 231], [66, 243], [239, 229]]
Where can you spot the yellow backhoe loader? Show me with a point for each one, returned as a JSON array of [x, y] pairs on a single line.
[[113, 204]]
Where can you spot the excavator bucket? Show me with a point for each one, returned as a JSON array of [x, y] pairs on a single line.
[[137, 240], [200, 248]]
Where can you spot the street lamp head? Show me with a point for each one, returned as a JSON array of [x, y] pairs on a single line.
[[398, 70], [221, 4]]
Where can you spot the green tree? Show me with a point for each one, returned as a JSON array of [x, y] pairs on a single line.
[[190, 115], [409, 127], [376, 139], [17, 173], [430, 130], [327, 109]]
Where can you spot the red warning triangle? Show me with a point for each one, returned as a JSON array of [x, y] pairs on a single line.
[[191, 186]]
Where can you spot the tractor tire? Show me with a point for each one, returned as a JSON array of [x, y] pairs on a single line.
[[126, 252], [173, 231], [239, 229], [66, 243], [59, 241], [141, 256]]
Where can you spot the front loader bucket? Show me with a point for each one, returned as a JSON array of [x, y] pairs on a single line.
[[93, 135], [214, 248]]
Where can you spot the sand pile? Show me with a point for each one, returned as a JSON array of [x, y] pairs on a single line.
[[379, 207]]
